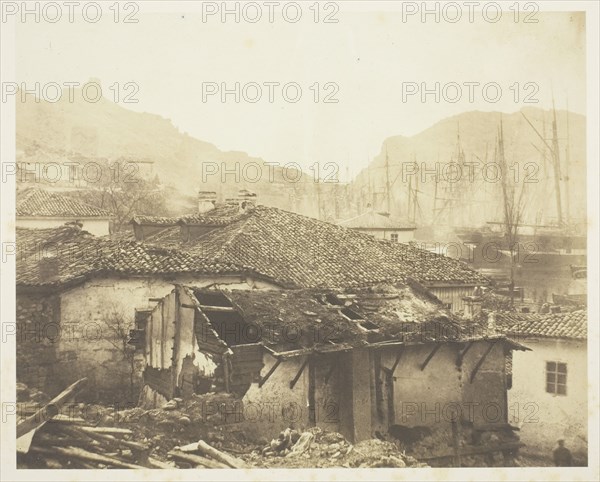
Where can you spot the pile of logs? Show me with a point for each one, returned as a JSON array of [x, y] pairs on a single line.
[[47, 438]]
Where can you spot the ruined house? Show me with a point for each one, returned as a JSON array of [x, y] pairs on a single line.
[[357, 361], [41, 209], [76, 292]]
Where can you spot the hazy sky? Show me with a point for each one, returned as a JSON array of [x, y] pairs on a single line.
[[369, 54]]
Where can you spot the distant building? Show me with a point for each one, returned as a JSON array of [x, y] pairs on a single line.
[[382, 226], [40, 209]]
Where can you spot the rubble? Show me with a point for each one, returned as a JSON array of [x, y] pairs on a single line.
[[319, 448]]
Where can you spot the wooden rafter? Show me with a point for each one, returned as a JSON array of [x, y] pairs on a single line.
[[330, 372], [264, 379], [481, 360], [430, 356], [398, 356], [463, 352], [297, 377]]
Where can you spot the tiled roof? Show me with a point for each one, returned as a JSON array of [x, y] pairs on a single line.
[[38, 202], [375, 220], [80, 255], [292, 250], [553, 325], [306, 252]]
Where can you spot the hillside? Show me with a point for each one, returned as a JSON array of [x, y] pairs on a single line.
[[64, 130]]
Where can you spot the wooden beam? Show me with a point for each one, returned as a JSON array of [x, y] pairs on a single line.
[[155, 299], [217, 308], [191, 307], [398, 356], [462, 353], [51, 409], [334, 365], [297, 377], [481, 360], [269, 373], [430, 356]]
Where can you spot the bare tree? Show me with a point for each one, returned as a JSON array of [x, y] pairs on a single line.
[[513, 207], [118, 336]]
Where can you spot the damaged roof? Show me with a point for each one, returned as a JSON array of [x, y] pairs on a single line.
[[35, 202], [80, 255], [329, 320]]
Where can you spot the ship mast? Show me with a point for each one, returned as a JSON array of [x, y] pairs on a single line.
[[556, 157], [387, 180]]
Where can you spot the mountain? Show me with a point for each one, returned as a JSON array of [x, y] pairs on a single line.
[[73, 129], [79, 129], [475, 199]]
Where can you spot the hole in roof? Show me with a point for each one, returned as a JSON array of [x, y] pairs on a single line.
[[368, 325], [333, 299], [351, 314], [212, 299]]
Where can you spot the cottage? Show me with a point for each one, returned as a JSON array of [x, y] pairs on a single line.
[[357, 361], [40, 209], [548, 398], [381, 225]]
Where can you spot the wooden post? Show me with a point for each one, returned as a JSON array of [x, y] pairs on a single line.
[[455, 442]]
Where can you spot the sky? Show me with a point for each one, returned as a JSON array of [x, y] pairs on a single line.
[[369, 61]]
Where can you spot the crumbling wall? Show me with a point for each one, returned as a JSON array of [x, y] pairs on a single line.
[[269, 409], [38, 332]]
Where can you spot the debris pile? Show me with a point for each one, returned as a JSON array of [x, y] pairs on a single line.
[[47, 438], [318, 448]]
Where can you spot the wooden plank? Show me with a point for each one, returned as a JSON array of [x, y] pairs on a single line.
[[430, 356], [51, 409], [222, 457], [228, 309], [197, 460], [481, 360], [81, 454], [106, 430], [297, 377]]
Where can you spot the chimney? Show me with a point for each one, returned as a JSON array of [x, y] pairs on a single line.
[[206, 201], [245, 199], [48, 268], [491, 323], [472, 307]]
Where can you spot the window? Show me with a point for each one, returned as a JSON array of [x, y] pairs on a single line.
[[556, 378], [394, 237]]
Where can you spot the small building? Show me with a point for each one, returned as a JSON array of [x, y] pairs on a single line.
[[382, 226], [548, 398], [358, 361], [41, 209]]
